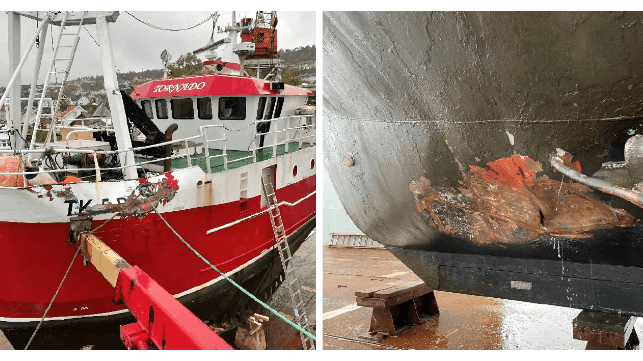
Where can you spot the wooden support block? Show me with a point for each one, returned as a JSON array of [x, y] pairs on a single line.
[[397, 307], [426, 305], [371, 291], [391, 296], [605, 330]]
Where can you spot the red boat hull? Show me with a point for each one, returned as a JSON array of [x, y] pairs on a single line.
[[34, 257]]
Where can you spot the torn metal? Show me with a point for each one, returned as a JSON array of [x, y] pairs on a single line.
[[138, 202], [634, 195], [508, 203]]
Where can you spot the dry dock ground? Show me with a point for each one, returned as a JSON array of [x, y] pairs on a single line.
[[464, 322]]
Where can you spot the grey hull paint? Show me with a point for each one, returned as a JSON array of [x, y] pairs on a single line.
[[419, 94]]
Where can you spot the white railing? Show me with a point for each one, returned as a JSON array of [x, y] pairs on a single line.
[[298, 130], [95, 156], [286, 131]]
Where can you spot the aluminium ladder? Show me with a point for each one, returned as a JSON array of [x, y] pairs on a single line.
[[294, 288], [73, 45]]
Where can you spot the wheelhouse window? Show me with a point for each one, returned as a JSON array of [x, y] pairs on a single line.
[[161, 109], [147, 107], [204, 106], [270, 108], [280, 105], [232, 108], [260, 107], [182, 108]]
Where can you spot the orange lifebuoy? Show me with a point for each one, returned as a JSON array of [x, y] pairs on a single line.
[[11, 164]]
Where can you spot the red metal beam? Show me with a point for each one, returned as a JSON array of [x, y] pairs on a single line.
[[161, 319]]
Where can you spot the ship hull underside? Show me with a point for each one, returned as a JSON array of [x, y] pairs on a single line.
[[435, 95]]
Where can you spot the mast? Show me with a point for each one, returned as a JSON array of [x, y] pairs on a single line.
[[14, 116], [34, 86], [119, 119], [101, 19], [233, 33]]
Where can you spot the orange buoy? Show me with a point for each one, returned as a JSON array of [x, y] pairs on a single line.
[[11, 164], [71, 179]]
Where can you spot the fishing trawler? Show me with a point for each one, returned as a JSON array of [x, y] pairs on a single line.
[[216, 150], [494, 153]]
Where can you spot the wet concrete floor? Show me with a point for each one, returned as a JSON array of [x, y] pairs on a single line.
[[279, 335], [465, 321]]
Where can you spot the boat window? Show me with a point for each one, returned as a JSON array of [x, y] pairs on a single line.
[[182, 108], [147, 107], [260, 107], [280, 104], [232, 108], [270, 108], [161, 109], [204, 106]]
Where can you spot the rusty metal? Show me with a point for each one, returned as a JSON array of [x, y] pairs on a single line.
[[78, 225], [605, 331], [396, 307], [136, 203], [508, 203]]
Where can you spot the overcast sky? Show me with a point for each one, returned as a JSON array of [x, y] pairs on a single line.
[[138, 47]]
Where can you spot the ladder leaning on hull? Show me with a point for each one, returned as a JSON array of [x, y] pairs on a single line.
[[281, 239], [53, 70]]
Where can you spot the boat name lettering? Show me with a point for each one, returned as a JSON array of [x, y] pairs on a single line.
[[83, 204], [176, 88]]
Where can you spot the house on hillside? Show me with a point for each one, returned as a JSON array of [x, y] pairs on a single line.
[[72, 113], [305, 65], [102, 111], [83, 101]]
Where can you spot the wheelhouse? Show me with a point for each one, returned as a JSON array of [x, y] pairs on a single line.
[[232, 101]]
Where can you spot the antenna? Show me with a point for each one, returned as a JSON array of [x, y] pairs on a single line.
[[165, 57], [212, 45]]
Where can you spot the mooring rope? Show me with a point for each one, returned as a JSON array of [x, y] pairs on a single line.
[[275, 312], [52, 300], [65, 277]]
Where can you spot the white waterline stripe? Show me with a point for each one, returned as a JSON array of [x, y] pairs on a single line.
[[258, 214]]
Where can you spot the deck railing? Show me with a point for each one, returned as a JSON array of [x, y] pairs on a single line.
[[292, 132]]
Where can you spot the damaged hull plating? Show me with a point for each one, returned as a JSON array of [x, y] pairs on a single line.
[[508, 204], [434, 110]]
